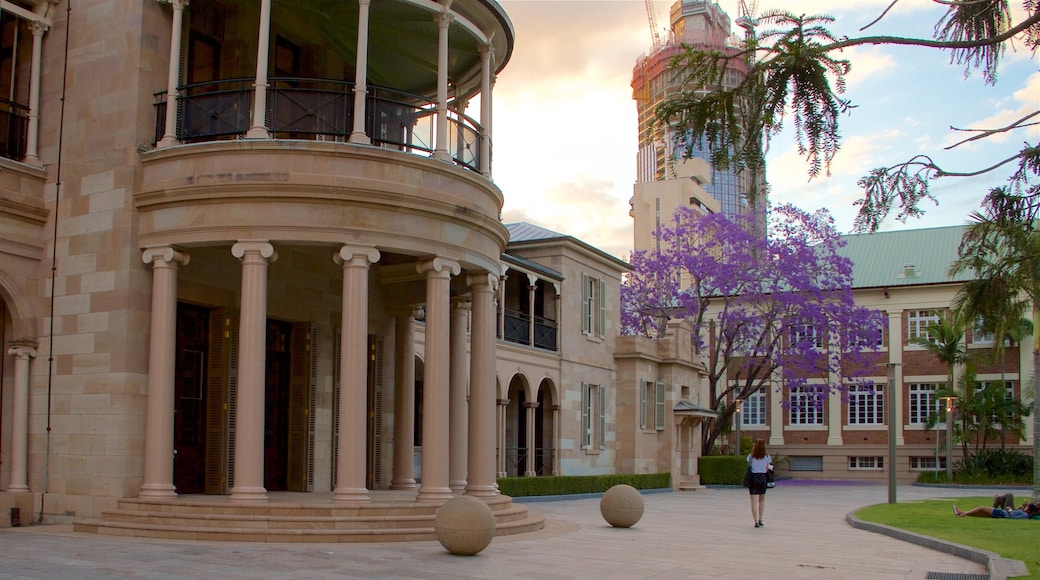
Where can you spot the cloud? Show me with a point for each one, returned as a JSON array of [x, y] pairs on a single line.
[[584, 208]]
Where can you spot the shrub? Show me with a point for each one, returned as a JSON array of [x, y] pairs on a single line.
[[722, 469], [574, 484]]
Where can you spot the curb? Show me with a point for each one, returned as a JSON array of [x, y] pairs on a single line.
[[999, 568]]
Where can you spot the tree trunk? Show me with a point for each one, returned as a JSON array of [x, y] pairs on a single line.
[[1036, 402]]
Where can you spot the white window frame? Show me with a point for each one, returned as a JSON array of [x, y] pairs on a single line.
[[753, 410], [927, 463], [866, 463], [978, 336], [806, 332], [866, 405], [803, 410], [921, 401], [918, 320]]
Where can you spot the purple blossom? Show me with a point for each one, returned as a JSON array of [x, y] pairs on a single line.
[[764, 306]]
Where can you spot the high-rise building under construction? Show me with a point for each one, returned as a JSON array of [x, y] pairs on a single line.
[[704, 25]]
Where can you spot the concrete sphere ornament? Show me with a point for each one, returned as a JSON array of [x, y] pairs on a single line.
[[621, 506], [464, 525]]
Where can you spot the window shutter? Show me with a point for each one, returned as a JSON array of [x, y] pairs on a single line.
[[586, 305], [601, 422], [642, 403], [586, 437], [602, 325], [659, 406]]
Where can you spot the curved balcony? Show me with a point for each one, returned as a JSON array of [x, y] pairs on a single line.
[[321, 110], [394, 74]]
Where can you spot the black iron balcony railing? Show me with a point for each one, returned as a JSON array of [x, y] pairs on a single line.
[[517, 326], [544, 333], [14, 129], [319, 109], [518, 329], [516, 461]]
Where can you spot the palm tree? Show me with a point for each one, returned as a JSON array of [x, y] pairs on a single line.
[[1002, 247], [1014, 332], [945, 340]]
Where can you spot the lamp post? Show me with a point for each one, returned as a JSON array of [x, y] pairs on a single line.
[[736, 419], [891, 400], [949, 438]]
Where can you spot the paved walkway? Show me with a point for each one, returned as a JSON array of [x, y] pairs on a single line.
[[703, 534]]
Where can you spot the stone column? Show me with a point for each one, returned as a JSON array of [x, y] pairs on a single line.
[[169, 138], [482, 389], [353, 355], [404, 402], [487, 53], [357, 133], [32, 153], [255, 256], [258, 130], [532, 288], [440, 150], [555, 440], [438, 273], [501, 313], [162, 355], [895, 356], [458, 420], [503, 405], [530, 408], [22, 351]]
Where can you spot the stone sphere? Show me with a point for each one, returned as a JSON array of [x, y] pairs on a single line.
[[464, 525], [621, 506]]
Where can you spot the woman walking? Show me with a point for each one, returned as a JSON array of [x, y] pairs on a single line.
[[760, 462]]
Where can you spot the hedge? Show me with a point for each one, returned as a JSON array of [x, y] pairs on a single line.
[[722, 469], [574, 484]]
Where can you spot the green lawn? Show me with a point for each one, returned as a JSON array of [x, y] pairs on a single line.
[[1016, 539]]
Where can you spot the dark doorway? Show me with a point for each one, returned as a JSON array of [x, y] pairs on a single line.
[[276, 405], [189, 419]]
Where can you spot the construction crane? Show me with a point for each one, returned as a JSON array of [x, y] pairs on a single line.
[[747, 19], [655, 36]]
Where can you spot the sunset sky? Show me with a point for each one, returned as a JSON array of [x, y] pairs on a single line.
[[565, 123]]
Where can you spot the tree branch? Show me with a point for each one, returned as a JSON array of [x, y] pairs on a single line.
[[988, 132], [1007, 35]]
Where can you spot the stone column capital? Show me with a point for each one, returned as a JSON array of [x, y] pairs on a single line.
[[261, 248], [478, 279], [177, 4], [352, 256], [161, 256], [530, 405], [438, 266], [22, 349]]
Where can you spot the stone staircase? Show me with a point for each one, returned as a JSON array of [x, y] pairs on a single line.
[[312, 519]]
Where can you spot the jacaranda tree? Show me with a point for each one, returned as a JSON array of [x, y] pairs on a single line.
[[767, 310]]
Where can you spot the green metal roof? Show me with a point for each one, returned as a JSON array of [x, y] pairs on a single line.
[[904, 257]]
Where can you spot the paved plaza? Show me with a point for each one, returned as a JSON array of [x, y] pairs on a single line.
[[702, 534]]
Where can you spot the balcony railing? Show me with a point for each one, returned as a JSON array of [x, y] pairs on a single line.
[[518, 329], [14, 127], [322, 110]]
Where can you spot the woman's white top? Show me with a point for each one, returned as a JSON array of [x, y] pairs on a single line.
[[759, 465]]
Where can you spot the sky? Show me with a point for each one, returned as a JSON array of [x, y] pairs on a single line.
[[564, 124]]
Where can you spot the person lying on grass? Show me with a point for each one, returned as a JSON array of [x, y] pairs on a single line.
[[1026, 511]]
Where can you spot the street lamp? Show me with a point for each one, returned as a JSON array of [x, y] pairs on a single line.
[[949, 438], [736, 418]]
